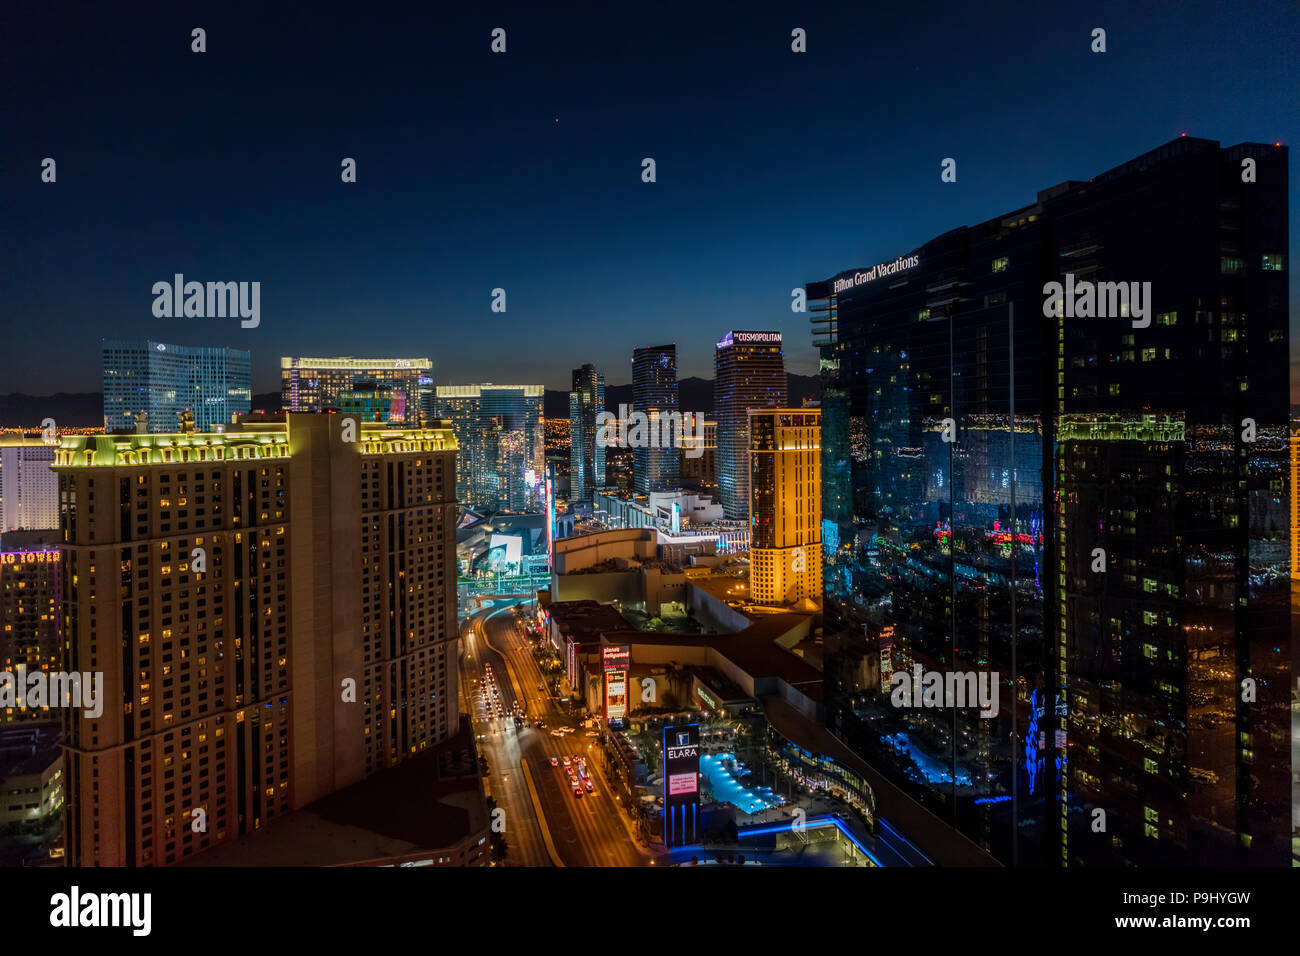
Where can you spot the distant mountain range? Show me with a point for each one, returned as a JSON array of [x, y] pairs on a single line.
[[77, 409], [86, 409], [694, 394]]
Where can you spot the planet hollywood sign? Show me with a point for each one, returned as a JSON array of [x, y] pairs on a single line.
[[877, 271]]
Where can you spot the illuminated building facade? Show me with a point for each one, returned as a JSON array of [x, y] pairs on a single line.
[[147, 385], [29, 492], [1294, 444], [318, 384], [750, 373], [275, 609], [586, 454], [698, 461], [502, 446], [1075, 504], [785, 506], [372, 402], [655, 394], [29, 611]]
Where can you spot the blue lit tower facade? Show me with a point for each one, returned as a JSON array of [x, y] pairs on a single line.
[[501, 451], [654, 392], [586, 454], [162, 381]]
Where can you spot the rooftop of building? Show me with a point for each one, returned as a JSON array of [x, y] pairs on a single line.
[[933, 836], [585, 621], [29, 747], [754, 650], [46, 539], [255, 435], [428, 802]]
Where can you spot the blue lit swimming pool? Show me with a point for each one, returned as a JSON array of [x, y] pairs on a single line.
[[722, 770]]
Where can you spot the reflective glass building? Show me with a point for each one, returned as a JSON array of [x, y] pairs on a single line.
[[586, 454], [162, 381], [654, 392], [499, 434], [1088, 501], [749, 372]]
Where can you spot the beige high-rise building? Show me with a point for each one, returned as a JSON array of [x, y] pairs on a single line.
[[785, 505], [273, 610]]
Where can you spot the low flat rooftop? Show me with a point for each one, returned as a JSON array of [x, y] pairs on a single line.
[[428, 802]]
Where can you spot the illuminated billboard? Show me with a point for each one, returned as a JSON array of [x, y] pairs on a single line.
[[681, 755], [615, 660], [615, 696], [616, 657]]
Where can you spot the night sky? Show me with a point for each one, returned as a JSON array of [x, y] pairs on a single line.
[[523, 170]]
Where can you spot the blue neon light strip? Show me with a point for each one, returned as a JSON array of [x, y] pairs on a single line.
[[814, 824]]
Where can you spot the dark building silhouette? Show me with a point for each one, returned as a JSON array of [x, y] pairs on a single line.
[[985, 449]]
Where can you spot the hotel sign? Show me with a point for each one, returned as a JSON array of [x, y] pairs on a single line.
[[29, 557], [877, 271], [749, 338]]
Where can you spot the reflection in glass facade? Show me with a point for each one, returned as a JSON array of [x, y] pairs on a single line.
[[152, 383], [586, 454], [499, 434], [1075, 505], [655, 393]]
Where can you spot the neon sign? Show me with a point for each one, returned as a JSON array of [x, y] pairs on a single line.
[[877, 271], [29, 557]]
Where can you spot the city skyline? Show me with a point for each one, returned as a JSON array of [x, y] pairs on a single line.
[[775, 438], [565, 162]]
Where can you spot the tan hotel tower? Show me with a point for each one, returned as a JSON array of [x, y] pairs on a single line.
[[230, 587], [785, 505]]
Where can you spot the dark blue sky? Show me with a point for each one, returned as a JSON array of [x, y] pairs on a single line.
[[523, 170]]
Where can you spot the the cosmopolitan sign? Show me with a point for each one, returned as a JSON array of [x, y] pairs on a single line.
[[749, 338], [877, 271]]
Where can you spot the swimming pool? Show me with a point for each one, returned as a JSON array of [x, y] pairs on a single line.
[[722, 770]]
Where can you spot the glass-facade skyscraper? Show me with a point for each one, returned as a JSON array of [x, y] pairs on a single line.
[[499, 434], [1092, 507], [162, 381], [654, 392], [586, 453], [749, 373]]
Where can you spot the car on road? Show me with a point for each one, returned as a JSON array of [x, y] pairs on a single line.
[[555, 761], [592, 733], [577, 790], [591, 787], [566, 760]]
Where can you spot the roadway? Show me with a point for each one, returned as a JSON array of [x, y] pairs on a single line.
[[585, 831]]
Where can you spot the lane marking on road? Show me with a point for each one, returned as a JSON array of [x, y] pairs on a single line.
[[541, 817]]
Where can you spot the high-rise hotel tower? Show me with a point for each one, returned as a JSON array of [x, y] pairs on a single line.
[[785, 505], [274, 613], [586, 451], [655, 393], [1054, 448], [750, 373]]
